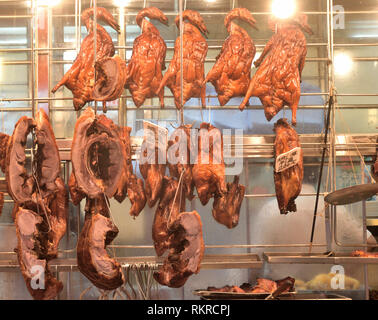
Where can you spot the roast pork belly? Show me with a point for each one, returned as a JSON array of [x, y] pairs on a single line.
[[186, 249], [194, 53], [288, 183], [226, 209], [231, 72], [209, 169], [144, 71], [278, 77]]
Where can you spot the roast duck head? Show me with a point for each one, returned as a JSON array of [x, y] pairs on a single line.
[[40, 202], [242, 14], [194, 18]]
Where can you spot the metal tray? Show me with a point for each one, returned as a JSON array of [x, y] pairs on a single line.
[[316, 258], [210, 295], [214, 295]]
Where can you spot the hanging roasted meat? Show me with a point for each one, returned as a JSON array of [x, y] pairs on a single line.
[[41, 203], [92, 258], [96, 154], [288, 183], [194, 54], [32, 255], [278, 77], [111, 75], [171, 203], [100, 170], [231, 72], [186, 249], [209, 169], [129, 184], [152, 166], [226, 209], [144, 71], [179, 154]]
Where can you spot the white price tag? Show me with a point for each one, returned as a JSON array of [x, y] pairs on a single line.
[[288, 159]]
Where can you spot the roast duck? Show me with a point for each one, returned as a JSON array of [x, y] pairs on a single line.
[[278, 77], [193, 53], [107, 82], [101, 169], [231, 72], [210, 180], [288, 183], [144, 71], [40, 202]]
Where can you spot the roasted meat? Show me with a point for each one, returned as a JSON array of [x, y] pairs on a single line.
[[186, 249], [171, 203], [288, 183], [179, 156], [41, 204], [110, 79], [194, 54], [234, 289], [231, 72], [361, 253], [80, 78], [226, 209], [92, 258], [152, 166], [209, 169], [32, 255], [4, 140], [129, 184], [96, 152], [278, 77], [144, 71]]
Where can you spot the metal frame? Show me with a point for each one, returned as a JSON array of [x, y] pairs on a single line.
[[264, 150]]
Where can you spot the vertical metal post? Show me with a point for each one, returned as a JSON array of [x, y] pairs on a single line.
[[364, 233], [122, 53], [181, 63]]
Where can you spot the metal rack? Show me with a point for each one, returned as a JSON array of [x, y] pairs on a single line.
[[339, 145]]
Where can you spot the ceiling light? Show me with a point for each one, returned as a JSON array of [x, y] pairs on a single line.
[[283, 9], [343, 64], [121, 3]]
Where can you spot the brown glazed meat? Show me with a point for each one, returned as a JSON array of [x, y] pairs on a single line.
[[92, 258], [144, 71], [209, 169], [226, 209], [288, 183], [231, 72], [233, 289], [110, 79], [194, 54], [4, 140], [41, 209], [20, 184], [167, 211], [186, 249], [129, 184], [80, 78], [278, 77], [179, 158], [32, 254], [96, 152], [152, 171]]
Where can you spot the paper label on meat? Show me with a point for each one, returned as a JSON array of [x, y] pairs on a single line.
[[154, 132], [287, 160]]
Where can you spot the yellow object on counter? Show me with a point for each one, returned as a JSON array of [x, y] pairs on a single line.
[[323, 282]]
